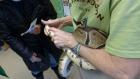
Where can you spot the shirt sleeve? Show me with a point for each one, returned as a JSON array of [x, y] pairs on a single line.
[[124, 39]]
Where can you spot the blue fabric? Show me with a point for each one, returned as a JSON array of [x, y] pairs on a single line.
[[53, 62]]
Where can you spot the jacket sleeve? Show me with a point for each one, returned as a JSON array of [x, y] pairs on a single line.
[[15, 43]]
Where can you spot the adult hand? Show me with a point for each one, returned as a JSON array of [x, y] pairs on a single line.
[[62, 39], [58, 23], [34, 58]]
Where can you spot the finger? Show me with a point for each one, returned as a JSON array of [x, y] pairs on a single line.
[[37, 59], [58, 42], [61, 26], [44, 22], [46, 30], [60, 45], [51, 34], [34, 54], [53, 29], [48, 22], [52, 39]]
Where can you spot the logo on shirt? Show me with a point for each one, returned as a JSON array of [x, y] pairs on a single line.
[[95, 4]]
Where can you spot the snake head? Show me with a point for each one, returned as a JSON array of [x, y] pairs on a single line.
[[47, 32]]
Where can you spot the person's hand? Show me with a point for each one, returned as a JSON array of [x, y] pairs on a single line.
[[37, 29], [61, 38], [57, 23], [34, 58]]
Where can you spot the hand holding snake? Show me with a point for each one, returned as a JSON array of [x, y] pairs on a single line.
[[89, 37], [61, 38]]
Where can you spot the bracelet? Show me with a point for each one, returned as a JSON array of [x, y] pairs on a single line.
[[76, 49]]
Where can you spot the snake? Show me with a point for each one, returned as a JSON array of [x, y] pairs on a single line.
[[89, 37]]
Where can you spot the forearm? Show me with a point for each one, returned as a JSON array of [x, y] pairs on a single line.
[[65, 20], [103, 61]]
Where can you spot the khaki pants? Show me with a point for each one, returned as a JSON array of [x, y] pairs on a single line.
[[78, 73]]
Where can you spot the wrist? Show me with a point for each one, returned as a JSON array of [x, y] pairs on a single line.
[[76, 49], [61, 20], [65, 20]]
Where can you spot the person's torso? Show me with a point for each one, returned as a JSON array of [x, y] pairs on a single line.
[[97, 13], [118, 18]]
